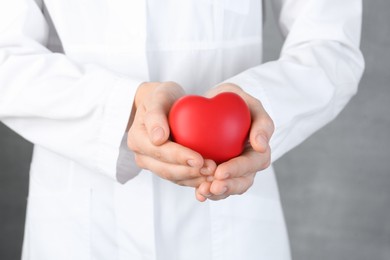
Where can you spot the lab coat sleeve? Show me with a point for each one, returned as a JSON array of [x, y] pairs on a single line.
[[79, 111], [318, 70]]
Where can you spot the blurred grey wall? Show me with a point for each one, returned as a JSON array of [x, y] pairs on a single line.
[[335, 187]]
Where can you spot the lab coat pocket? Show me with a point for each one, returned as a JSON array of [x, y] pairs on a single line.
[[58, 224]]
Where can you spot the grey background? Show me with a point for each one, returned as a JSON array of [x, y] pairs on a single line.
[[335, 187]]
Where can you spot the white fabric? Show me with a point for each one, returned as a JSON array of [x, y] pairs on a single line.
[[68, 74]]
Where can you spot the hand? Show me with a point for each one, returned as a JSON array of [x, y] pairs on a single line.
[[148, 137], [236, 176]]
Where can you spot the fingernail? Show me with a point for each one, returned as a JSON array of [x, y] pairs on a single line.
[[224, 189], [205, 171], [192, 163], [210, 178], [157, 134], [206, 195], [261, 141]]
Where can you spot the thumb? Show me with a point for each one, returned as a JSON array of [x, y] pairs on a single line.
[[157, 109], [262, 128]]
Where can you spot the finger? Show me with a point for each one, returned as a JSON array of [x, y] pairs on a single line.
[[208, 168], [193, 183], [179, 174], [210, 195], [199, 197], [216, 198], [203, 191], [156, 110], [225, 87], [250, 161], [262, 126], [234, 186], [169, 152]]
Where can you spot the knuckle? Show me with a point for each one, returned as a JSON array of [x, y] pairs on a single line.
[[170, 84], [216, 198], [242, 189], [134, 138], [270, 125], [250, 182], [141, 110], [267, 123], [181, 183], [193, 173], [241, 192], [231, 87], [131, 144], [164, 93], [168, 175], [138, 160], [190, 182], [256, 102], [245, 186], [157, 155], [266, 164]]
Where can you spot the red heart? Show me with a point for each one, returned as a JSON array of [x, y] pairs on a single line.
[[217, 128]]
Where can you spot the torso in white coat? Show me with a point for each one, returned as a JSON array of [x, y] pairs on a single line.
[[75, 213]]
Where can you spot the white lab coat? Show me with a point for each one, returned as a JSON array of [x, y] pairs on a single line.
[[68, 74]]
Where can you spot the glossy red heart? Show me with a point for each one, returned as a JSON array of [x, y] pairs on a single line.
[[217, 128]]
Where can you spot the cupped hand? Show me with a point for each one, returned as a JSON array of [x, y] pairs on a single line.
[[148, 137], [237, 175]]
